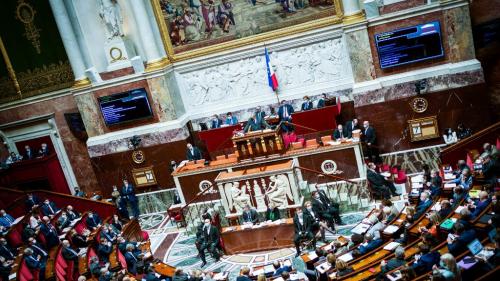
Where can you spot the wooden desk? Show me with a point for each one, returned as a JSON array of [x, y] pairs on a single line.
[[219, 138], [257, 143], [258, 239]]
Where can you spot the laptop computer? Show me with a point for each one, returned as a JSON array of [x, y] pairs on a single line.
[[476, 248], [492, 234]]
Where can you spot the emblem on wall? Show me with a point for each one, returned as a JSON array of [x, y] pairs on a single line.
[[419, 104], [138, 157], [329, 167], [204, 185]]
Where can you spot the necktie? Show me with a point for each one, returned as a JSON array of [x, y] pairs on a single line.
[[40, 249], [285, 112], [51, 210], [133, 256], [72, 251]]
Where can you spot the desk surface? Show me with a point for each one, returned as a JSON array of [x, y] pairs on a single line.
[[238, 239]]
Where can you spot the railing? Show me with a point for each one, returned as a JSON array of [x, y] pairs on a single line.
[[457, 151]]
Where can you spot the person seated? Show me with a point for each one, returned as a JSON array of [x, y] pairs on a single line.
[[38, 249], [482, 203], [463, 132], [132, 259], [215, 122], [28, 153], [339, 133], [249, 215], [318, 226], [449, 136], [327, 209], [72, 214], [34, 262], [435, 184], [465, 218], [342, 268], [465, 179], [425, 260], [461, 165], [5, 268], [150, 275], [49, 209], [104, 249], [322, 101], [13, 158], [6, 220], [255, 124], [231, 119], [116, 224], [423, 205], [211, 242], [390, 210], [95, 266], [458, 196], [78, 240], [278, 268], [107, 234], [28, 232], [6, 251], [490, 169], [44, 150], [79, 192], [458, 241], [448, 268], [49, 232], [303, 225], [445, 209], [68, 253], [433, 226], [63, 221], [32, 201], [307, 104], [370, 244], [93, 221], [397, 261], [193, 153], [379, 183], [106, 275], [272, 212], [244, 274]]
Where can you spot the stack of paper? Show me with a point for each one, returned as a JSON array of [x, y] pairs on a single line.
[[449, 176], [459, 209], [322, 268], [347, 257], [221, 275], [391, 246], [450, 185], [312, 255], [360, 228], [390, 229]]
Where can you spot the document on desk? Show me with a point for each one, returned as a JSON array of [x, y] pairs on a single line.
[[347, 257], [360, 228], [390, 229]]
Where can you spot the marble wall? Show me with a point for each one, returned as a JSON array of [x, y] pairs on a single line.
[[358, 45]]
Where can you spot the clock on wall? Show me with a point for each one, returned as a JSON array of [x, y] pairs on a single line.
[[138, 157], [419, 104]]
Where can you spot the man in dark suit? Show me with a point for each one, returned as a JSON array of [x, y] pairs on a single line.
[[285, 112], [6, 220], [132, 259], [255, 124], [63, 221], [211, 240], [49, 208], [128, 193], [104, 250], [244, 274], [426, 260], [259, 113], [379, 183], [303, 230], [482, 203], [5, 251], [231, 119], [307, 104], [215, 122], [249, 215], [108, 235], [32, 201], [397, 261], [28, 153], [68, 253], [321, 210], [34, 262], [339, 133], [72, 214], [370, 244], [351, 126], [177, 198], [370, 139], [278, 269], [272, 212], [423, 205], [93, 221], [458, 242], [79, 193], [49, 232], [322, 101], [193, 153], [38, 249], [44, 150]]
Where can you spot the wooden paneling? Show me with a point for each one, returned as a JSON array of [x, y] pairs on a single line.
[[344, 158]]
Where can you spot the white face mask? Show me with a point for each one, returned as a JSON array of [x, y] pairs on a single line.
[[207, 224], [309, 208]]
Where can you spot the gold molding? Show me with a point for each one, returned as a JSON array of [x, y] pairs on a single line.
[[10, 69], [81, 83], [236, 43], [157, 64], [354, 18]]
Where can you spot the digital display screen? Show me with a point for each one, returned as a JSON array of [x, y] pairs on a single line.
[[124, 107], [410, 44]]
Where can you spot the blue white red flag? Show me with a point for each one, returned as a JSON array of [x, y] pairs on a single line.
[[271, 76]]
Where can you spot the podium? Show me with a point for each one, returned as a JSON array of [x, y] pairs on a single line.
[[258, 143]]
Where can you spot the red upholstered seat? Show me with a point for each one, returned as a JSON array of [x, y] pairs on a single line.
[[297, 145], [42, 239], [121, 258], [90, 253], [145, 235], [312, 143], [26, 274], [14, 237]]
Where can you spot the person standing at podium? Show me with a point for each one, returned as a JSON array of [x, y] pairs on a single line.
[[128, 193], [339, 133], [215, 122], [192, 152], [285, 112], [351, 126], [255, 124], [231, 119]]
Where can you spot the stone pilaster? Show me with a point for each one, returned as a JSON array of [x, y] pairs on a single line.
[[358, 46], [89, 110]]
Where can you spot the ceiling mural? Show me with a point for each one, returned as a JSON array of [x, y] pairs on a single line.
[[33, 57]]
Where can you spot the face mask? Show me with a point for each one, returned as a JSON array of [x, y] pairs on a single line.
[[365, 126], [207, 224], [299, 215], [441, 263], [309, 208], [316, 196]]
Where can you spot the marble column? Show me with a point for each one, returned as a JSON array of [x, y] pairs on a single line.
[[351, 7], [145, 31], [89, 110], [69, 39], [457, 26], [167, 102], [358, 46]]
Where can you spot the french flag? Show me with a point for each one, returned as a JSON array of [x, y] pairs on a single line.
[[271, 76]]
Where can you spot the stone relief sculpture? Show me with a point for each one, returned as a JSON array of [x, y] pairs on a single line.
[[109, 11], [237, 197], [316, 63], [279, 190]]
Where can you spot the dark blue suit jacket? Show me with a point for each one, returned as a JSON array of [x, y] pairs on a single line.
[[32, 262], [281, 111], [128, 192], [215, 123], [375, 243], [321, 103], [131, 262], [50, 234], [94, 221], [243, 278], [460, 244], [6, 220], [370, 136], [480, 206], [7, 252], [281, 269], [307, 105], [46, 210], [420, 210], [425, 263], [32, 202]]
